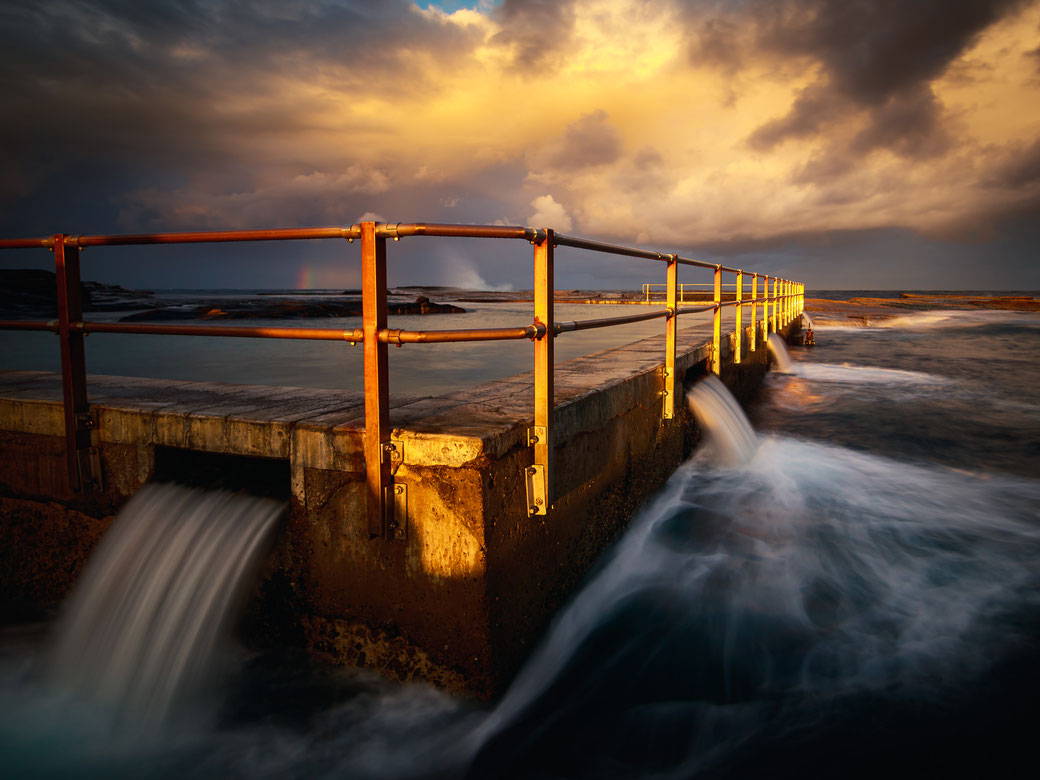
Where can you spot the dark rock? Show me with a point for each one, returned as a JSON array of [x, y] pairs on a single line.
[[33, 293], [239, 309]]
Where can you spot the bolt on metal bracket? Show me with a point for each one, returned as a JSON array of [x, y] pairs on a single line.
[[87, 421], [397, 512], [535, 434], [534, 476]]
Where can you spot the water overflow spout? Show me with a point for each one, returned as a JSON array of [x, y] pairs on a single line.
[[141, 632], [724, 422], [780, 355]]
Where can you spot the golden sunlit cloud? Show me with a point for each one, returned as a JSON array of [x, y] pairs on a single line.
[[624, 132], [679, 123]]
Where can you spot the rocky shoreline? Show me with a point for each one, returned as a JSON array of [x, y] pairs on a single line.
[[865, 311], [32, 294], [249, 309], [26, 293]]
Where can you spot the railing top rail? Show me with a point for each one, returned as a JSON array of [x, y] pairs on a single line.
[[614, 249], [401, 229], [215, 236], [703, 264], [196, 237], [26, 243], [630, 251], [394, 230], [383, 230]]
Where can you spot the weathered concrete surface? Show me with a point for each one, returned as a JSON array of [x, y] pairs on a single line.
[[464, 597]]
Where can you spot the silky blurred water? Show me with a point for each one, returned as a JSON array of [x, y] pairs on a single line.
[[859, 598]]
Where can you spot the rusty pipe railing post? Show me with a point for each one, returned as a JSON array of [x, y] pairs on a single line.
[[765, 309], [81, 461], [739, 319], [754, 306], [670, 330], [377, 390], [776, 289], [716, 327], [540, 487]]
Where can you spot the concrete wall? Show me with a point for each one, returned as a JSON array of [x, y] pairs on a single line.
[[464, 597]]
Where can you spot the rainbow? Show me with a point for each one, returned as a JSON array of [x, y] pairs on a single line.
[[305, 279]]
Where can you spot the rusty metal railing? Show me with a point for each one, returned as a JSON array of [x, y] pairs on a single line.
[[387, 498]]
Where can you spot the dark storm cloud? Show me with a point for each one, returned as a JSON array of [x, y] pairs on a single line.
[[1019, 170], [536, 30], [152, 90], [910, 124], [876, 58], [587, 141]]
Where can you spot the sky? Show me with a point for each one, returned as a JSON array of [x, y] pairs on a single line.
[[885, 144]]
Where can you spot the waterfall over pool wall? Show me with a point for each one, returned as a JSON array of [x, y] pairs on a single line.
[[141, 632], [723, 421], [780, 354]]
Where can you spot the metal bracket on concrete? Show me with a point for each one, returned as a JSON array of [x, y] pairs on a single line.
[[88, 459], [89, 462], [397, 512], [668, 394], [535, 434], [535, 478], [394, 451]]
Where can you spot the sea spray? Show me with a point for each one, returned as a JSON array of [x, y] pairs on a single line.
[[141, 632]]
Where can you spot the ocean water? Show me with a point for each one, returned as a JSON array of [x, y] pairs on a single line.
[[415, 369], [856, 595]]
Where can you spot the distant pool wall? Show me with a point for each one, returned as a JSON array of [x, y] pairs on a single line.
[[464, 596]]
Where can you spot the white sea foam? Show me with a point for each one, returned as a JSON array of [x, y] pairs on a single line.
[[848, 373], [957, 318]]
